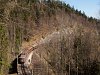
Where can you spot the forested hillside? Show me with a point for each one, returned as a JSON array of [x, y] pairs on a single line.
[[72, 46]]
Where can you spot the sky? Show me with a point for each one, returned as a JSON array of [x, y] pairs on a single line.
[[90, 7]]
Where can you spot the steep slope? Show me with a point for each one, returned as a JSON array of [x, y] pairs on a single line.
[[57, 54], [68, 42]]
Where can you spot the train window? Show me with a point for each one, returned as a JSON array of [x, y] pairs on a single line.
[[29, 60]]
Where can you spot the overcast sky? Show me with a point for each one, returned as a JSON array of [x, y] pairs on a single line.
[[90, 7]]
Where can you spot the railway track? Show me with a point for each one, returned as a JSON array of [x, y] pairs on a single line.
[[24, 70]]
